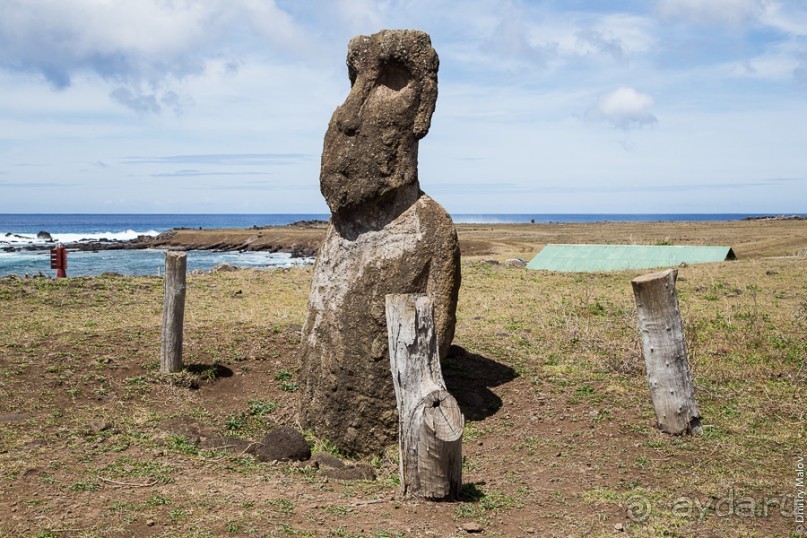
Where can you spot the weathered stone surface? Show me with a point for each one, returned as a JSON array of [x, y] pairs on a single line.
[[471, 527], [323, 459], [370, 148], [385, 236]]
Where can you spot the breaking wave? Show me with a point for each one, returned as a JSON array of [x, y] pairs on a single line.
[[68, 238]]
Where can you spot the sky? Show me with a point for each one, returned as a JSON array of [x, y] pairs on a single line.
[[555, 106]]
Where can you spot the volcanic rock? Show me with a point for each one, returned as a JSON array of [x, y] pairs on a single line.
[[223, 268], [515, 262], [282, 444], [385, 236]]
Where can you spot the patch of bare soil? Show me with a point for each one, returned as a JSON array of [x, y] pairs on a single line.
[[141, 454]]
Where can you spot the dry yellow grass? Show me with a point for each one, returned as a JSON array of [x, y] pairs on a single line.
[[749, 239]]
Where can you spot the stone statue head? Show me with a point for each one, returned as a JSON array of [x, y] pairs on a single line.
[[370, 148]]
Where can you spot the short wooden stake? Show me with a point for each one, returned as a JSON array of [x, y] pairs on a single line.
[[173, 312], [665, 353], [430, 422]]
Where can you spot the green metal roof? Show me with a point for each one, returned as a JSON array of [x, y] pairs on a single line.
[[592, 258]]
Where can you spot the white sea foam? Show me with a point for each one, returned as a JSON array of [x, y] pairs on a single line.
[[67, 238], [109, 236]]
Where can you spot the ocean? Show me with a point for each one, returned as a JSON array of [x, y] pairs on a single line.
[[20, 230]]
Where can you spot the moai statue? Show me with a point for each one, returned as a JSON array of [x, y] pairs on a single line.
[[385, 236]]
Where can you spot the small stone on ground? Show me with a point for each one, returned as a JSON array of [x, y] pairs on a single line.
[[472, 527]]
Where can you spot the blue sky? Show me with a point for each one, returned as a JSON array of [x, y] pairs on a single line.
[[564, 106]]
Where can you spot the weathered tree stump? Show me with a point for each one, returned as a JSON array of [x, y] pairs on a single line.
[[430, 422], [665, 353], [173, 312]]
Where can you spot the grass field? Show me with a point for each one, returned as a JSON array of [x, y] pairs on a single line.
[[560, 438]]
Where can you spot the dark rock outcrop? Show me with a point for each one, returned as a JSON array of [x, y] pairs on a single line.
[[281, 444]]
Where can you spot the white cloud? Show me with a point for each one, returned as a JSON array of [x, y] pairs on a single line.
[[728, 12], [800, 73], [638, 34], [59, 38], [360, 15], [515, 44], [258, 76], [787, 57], [142, 48], [790, 18], [624, 108], [521, 38], [602, 43]]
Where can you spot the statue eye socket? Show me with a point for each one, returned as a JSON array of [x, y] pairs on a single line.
[[394, 75]]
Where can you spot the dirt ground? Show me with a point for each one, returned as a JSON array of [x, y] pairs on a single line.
[[560, 438]]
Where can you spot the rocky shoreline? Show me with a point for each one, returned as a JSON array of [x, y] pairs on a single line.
[[777, 217], [300, 239]]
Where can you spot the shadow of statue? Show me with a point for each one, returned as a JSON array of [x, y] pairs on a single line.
[[209, 372], [469, 378]]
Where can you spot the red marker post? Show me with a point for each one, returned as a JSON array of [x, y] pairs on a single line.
[[58, 261]]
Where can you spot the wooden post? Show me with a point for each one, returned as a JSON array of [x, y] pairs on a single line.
[[665, 353], [173, 312], [430, 422]]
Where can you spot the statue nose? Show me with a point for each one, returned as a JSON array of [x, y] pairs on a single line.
[[347, 125], [349, 114], [346, 118]]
